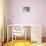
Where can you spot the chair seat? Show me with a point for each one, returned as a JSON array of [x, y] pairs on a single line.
[[18, 33]]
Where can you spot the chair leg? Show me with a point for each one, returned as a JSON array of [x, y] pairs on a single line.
[[15, 38], [25, 36], [12, 36]]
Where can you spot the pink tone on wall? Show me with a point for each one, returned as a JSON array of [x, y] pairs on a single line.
[[37, 14]]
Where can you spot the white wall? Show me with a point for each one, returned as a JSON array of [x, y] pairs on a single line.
[[37, 14]]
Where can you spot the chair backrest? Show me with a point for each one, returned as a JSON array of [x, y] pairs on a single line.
[[18, 30]]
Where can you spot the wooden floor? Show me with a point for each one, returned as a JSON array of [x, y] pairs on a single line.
[[23, 43], [18, 43]]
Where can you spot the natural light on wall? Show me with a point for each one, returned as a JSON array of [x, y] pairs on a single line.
[[1, 16]]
